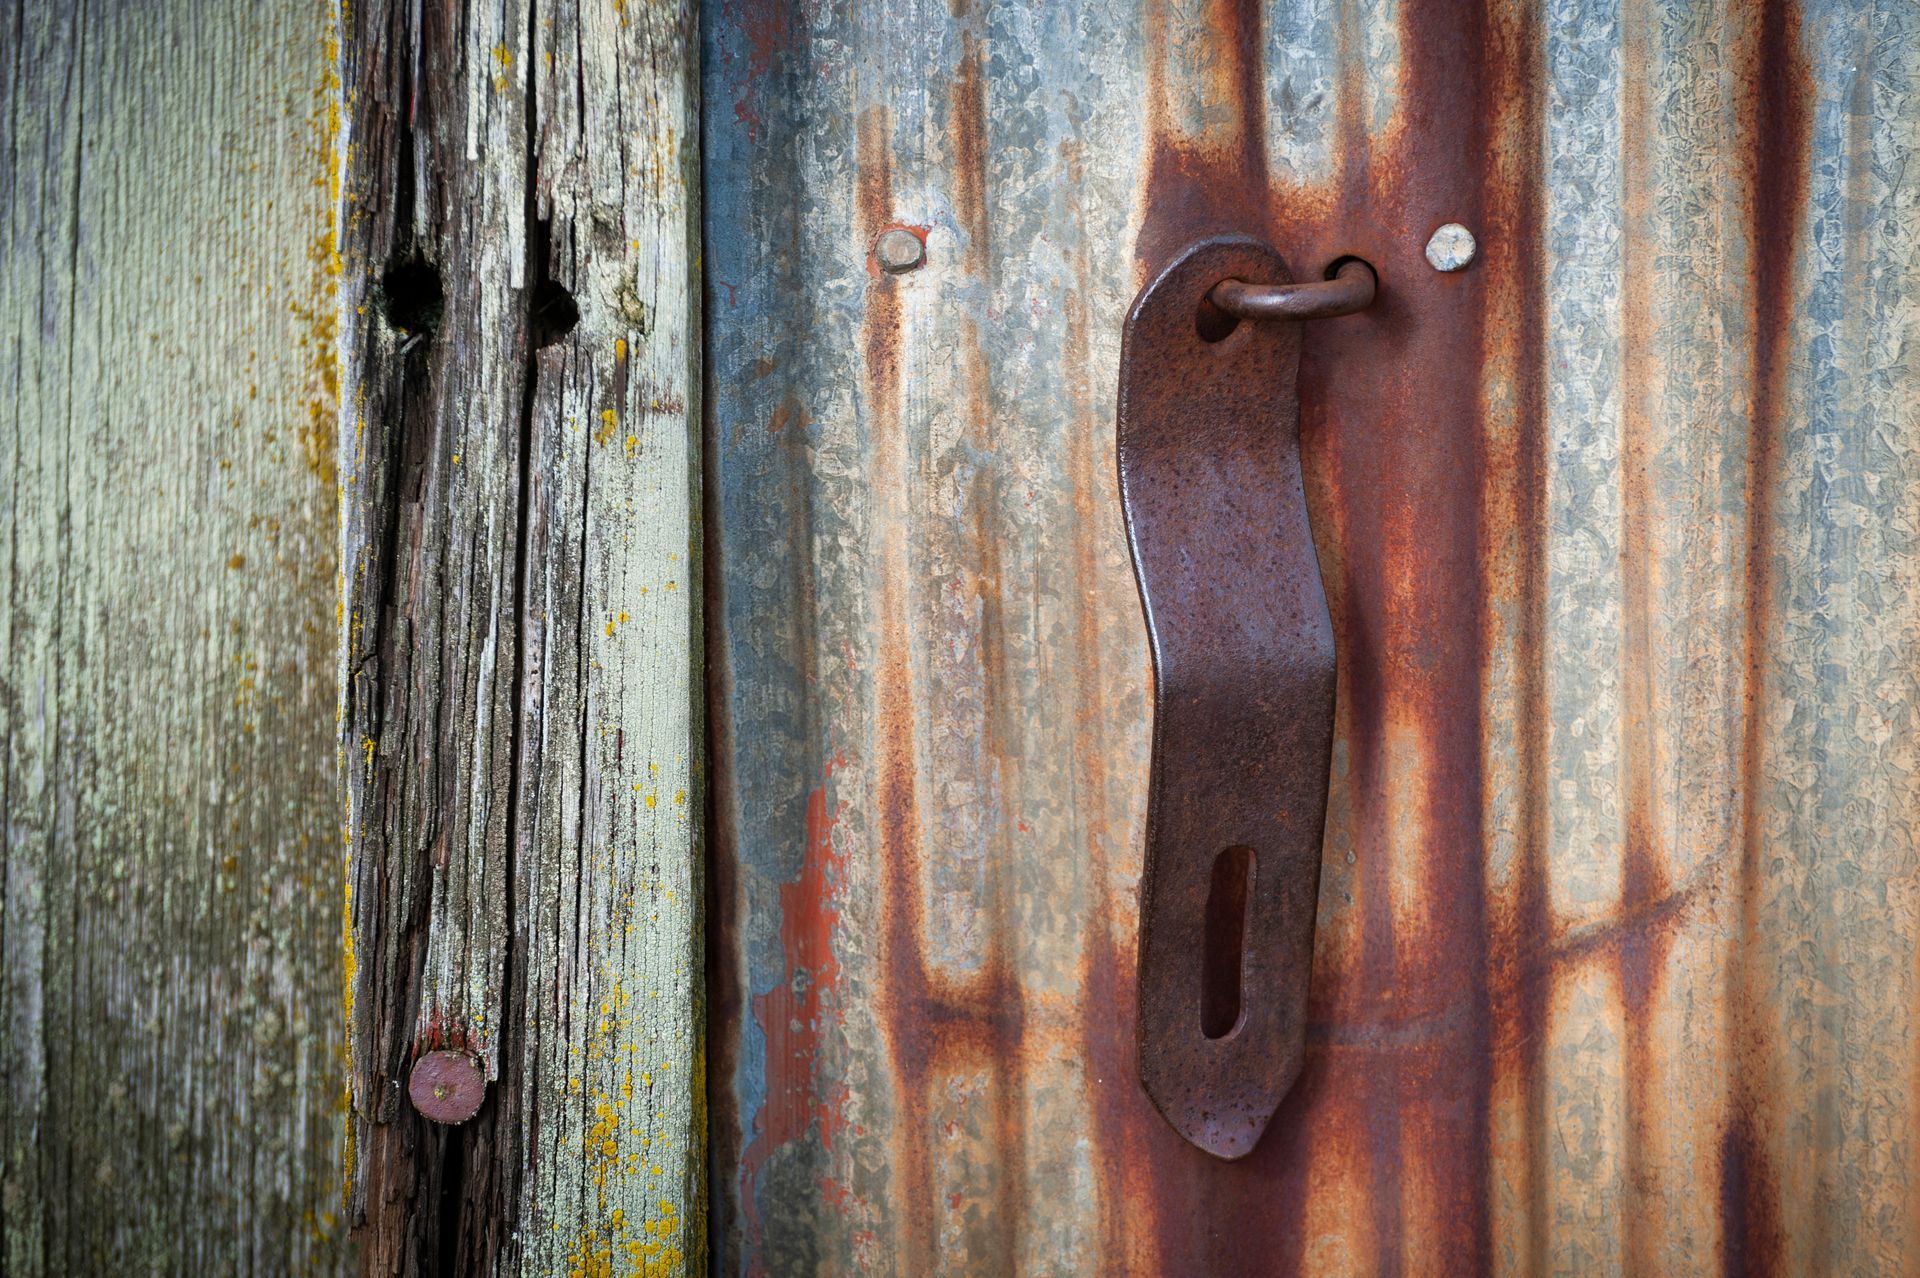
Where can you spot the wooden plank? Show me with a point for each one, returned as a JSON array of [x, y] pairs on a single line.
[[169, 925], [614, 1063], [434, 374], [520, 638]]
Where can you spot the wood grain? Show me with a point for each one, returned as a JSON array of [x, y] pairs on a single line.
[[169, 911], [520, 632]]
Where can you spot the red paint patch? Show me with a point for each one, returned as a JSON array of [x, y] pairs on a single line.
[[792, 1014], [768, 29], [446, 1033]]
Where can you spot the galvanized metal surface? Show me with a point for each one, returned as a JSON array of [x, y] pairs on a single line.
[[1619, 921], [1208, 442]]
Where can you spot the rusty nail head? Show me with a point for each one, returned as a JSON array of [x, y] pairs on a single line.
[[899, 250], [447, 1087], [1451, 248]]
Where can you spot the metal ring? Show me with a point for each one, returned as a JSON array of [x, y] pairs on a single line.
[[1351, 289]]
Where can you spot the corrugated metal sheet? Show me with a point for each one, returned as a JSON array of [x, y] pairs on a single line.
[[1618, 930]]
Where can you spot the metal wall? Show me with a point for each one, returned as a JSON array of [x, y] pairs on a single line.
[[1618, 923]]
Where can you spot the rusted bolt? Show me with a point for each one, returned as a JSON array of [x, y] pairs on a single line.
[[898, 250], [1451, 248], [447, 1087]]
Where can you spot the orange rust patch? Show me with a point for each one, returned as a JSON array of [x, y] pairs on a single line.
[[789, 413], [967, 132], [1777, 121]]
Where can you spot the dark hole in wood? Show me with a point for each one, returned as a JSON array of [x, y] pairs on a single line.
[[1226, 943], [554, 312], [453, 1151], [411, 297]]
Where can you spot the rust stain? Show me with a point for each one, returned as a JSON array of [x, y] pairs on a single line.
[[1777, 130], [898, 815], [997, 984], [968, 138], [1137, 1231], [1216, 185], [1642, 955], [1413, 672], [1514, 489], [440, 1032], [935, 1025], [790, 413]]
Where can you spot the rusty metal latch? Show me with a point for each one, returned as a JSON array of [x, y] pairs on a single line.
[[1243, 657]]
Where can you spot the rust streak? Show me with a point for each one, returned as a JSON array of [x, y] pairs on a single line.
[[1122, 1120], [898, 814], [1644, 875], [1001, 701], [1777, 124], [1411, 518], [1193, 187], [968, 129], [1515, 488]]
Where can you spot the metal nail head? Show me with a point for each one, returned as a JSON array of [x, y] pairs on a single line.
[[898, 250], [1451, 248], [447, 1087]]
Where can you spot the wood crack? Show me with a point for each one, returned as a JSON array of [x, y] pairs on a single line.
[[500, 909]]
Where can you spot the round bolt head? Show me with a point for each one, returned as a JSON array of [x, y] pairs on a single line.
[[447, 1087], [899, 250], [1451, 248]]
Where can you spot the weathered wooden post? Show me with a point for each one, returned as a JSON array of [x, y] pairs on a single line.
[[520, 582]]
